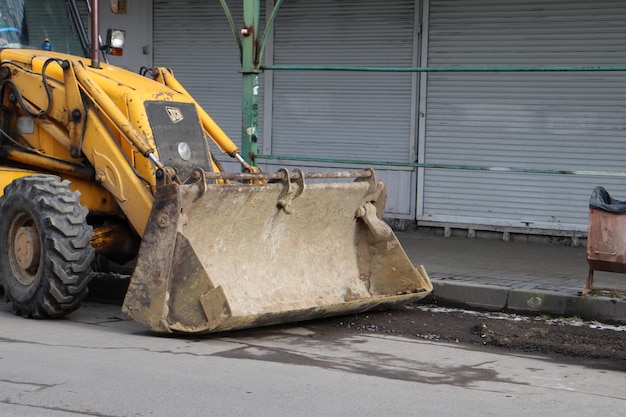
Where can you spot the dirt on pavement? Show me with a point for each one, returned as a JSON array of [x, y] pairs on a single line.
[[569, 337]]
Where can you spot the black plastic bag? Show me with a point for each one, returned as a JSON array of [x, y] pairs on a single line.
[[601, 200]]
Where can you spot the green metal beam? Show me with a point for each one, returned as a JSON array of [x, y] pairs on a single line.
[[250, 72], [268, 27], [446, 166], [252, 50], [233, 27], [440, 69]]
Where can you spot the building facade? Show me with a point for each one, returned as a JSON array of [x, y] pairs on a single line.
[[562, 131]]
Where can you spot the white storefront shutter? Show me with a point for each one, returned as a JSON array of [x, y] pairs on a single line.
[[549, 120], [347, 115], [193, 38]]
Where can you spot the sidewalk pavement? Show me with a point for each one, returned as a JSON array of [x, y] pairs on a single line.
[[516, 277]]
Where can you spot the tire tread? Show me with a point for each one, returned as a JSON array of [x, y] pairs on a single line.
[[65, 240]]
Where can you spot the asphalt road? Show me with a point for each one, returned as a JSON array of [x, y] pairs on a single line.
[[97, 363]]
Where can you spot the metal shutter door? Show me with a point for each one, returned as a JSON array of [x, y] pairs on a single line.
[[193, 38], [347, 115], [572, 121]]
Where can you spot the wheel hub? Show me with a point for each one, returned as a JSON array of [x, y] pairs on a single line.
[[26, 249]]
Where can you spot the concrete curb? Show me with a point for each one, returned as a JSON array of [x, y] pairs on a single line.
[[527, 301]]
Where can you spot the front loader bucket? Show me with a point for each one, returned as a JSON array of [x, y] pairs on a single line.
[[222, 257]]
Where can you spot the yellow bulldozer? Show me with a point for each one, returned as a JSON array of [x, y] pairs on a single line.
[[97, 162]]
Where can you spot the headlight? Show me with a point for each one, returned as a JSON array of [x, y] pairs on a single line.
[[115, 38], [115, 42], [184, 151]]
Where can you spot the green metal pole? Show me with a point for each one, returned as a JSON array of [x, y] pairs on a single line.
[[268, 27], [233, 26], [250, 71]]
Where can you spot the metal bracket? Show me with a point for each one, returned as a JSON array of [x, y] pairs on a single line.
[[197, 178], [289, 193], [373, 182], [381, 231]]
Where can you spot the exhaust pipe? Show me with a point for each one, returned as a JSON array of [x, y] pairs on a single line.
[[95, 30]]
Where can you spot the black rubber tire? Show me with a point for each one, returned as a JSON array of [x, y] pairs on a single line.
[[45, 255]]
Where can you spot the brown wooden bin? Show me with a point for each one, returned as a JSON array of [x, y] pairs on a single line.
[[606, 237]]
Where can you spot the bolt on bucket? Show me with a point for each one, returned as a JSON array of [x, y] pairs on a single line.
[[220, 257]]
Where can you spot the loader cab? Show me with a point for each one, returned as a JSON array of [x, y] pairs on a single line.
[[54, 25]]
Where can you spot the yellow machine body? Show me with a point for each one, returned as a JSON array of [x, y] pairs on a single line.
[[213, 251]]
